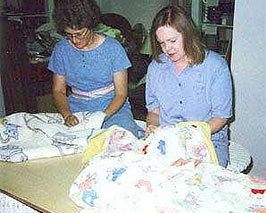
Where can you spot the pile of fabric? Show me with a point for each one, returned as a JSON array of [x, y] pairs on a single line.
[[25, 136], [173, 170]]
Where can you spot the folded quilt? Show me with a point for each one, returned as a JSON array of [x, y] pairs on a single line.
[[26, 136], [125, 174]]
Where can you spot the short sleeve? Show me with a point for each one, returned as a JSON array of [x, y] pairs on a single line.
[[120, 60], [56, 61], [221, 93], [151, 99]]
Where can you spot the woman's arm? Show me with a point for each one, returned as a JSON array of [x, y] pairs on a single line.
[[153, 118], [120, 84], [60, 98], [217, 124], [152, 122], [221, 95]]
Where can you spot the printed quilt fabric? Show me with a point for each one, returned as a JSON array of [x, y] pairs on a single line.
[[130, 175], [25, 136]]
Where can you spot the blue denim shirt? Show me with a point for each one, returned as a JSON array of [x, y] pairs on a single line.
[[198, 93], [90, 70]]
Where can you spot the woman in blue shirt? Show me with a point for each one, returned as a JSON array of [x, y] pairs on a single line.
[[92, 65], [187, 82]]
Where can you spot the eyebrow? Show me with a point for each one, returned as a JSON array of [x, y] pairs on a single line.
[[77, 33], [174, 37]]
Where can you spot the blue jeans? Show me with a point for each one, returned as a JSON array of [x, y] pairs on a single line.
[[221, 145], [222, 152], [124, 118]]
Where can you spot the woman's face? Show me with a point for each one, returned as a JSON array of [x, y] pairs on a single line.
[[79, 38], [171, 43]]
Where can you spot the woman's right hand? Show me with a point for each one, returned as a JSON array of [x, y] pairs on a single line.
[[152, 122], [149, 129], [71, 120]]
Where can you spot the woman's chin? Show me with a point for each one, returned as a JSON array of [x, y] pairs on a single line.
[[173, 57], [79, 45]]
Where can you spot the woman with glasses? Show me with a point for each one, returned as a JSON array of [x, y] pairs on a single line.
[[92, 65], [185, 81]]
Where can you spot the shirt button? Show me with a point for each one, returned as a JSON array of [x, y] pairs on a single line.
[[84, 66], [179, 84], [180, 102]]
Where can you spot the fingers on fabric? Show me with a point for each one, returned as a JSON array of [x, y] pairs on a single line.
[[149, 129], [180, 162], [71, 120]]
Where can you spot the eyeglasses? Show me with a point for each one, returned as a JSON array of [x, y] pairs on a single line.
[[79, 36]]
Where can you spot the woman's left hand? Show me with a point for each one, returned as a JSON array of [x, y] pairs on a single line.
[[180, 162]]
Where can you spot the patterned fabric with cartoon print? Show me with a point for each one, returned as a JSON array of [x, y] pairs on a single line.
[[174, 170], [25, 136]]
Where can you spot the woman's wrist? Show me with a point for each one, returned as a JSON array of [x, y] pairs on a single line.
[[149, 129], [71, 120], [67, 116], [152, 119]]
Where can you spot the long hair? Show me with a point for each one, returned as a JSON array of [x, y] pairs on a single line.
[[76, 14], [176, 17]]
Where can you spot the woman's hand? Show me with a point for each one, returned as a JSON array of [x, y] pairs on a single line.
[[180, 162], [60, 98], [71, 120], [149, 129], [152, 122]]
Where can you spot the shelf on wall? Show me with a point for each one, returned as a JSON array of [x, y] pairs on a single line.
[[25, 14], [203, 24], [214, 20]]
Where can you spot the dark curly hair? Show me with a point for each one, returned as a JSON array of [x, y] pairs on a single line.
[[75, 14], [176, 17]]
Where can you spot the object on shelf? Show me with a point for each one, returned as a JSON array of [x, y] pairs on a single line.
[[119, 22], [221, 14], [214, 15], [41, 42], [109, 31]]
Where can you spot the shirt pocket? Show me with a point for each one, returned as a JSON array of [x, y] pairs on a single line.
[[199, 90], [199, 87]]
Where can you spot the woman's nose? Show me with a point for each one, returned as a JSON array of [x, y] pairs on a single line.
[[168, 46], [74, 39]]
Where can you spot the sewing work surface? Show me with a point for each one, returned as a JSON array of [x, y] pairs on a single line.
[[174, 170], [43, 183]]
